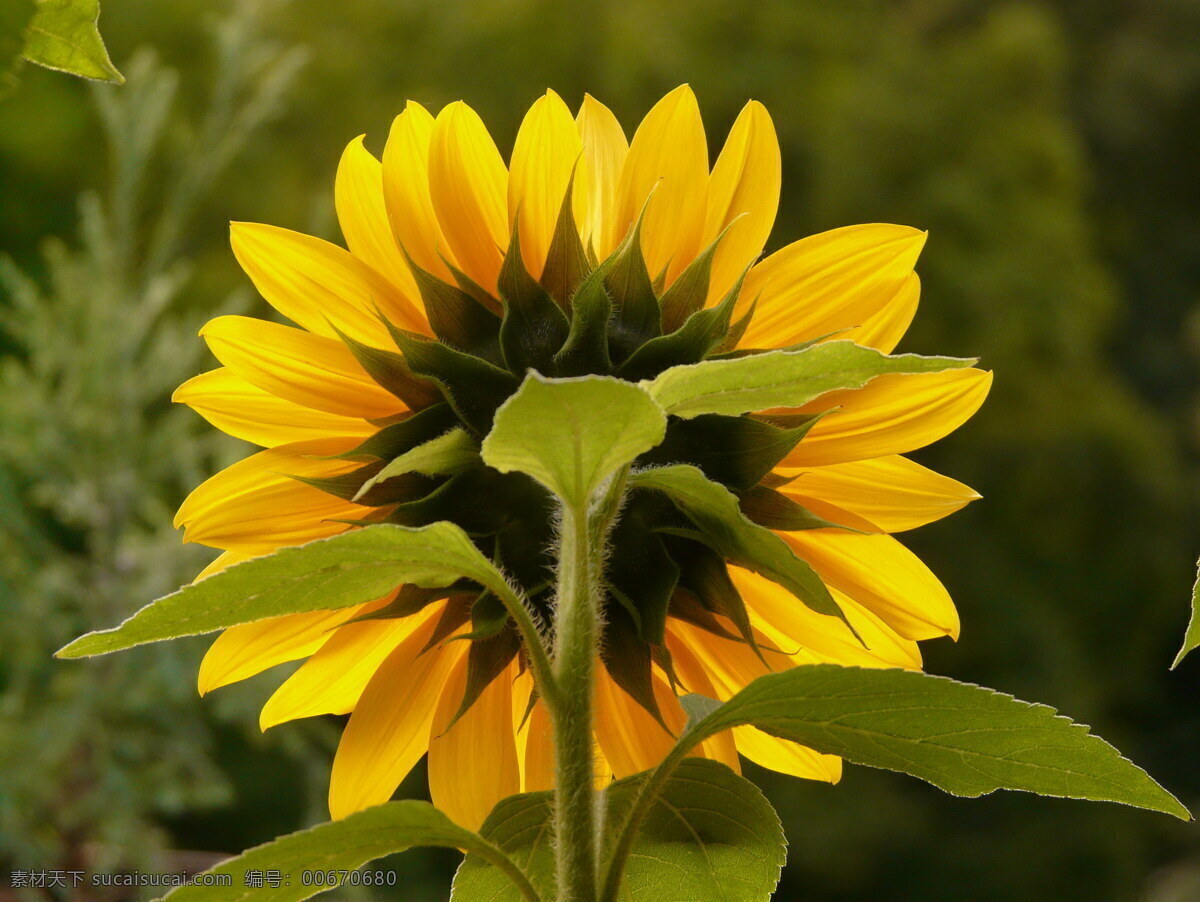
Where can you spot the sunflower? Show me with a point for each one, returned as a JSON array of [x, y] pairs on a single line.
[[463, 273]]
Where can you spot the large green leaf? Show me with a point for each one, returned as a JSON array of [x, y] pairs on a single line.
[[715, 512], [351, 568], [572, 434], [964, 739], [342, 846], [1192, 638], [64, 36], [780, 378], [709, 835]]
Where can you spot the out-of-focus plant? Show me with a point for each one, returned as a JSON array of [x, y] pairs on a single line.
[[92, 455]]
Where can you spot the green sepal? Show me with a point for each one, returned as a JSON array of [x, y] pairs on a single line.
[[456, 317], [627, 659], [471, 385], [480, 500], [687, 607], [566, 261], [411, 600], [456, 613], [474, 289], [392, 372], [774, 510], [734, 451], [358, 486], [492, 650], [393, 440], [701, 333], [446, 455], [737, 331], [585, 352], [637, 318], [689, 292], [704, 575], [641, 574], [534, 327]]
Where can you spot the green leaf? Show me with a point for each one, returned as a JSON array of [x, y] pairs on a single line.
[[780, 378], [351, 568], [345, 845], [445, 455], [586, 348], [775, 510], [710, 835], [456, 317], [566, 261], [1192, 638], [964, 739], [392, 372], [637, 318], [572, 434], [715, 512], [534, 326], [64, 36]]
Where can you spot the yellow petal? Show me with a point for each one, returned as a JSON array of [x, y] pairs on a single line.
[[828, 282], [318, 285], [729, 667], [300, 367], [406, 191], [892, 493], [473, 764], [790, 625], [546, 151], [537, 750], [604, 150], [695, 678], [256, 506], [389, 730], [893, 414], [632, 741], [884, 328], [333, 679], [744, 186], [883, 576], [221, 562], [362, 214], [250, 648], [469, 187], [669, 156], [244, 411]]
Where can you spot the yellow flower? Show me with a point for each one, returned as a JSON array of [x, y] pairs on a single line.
[[433, 231]]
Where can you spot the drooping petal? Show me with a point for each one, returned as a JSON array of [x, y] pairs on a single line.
[[333, 679], [808, 637], [695, 678], [319, 285], [828, 282], [256, 505], [311, 370], [892, 493], [536, 747], [406, 191], [604, 150], [250, 648], [221, 562], [884, 328], [468, 184], [362, 214], [245, 411], [669, 156], [883, 576], [744, 186], [389, 730], [473, 764], [893, 414], [544, 155]]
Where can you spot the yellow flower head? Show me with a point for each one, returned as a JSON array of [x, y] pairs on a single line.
[[586, 254]]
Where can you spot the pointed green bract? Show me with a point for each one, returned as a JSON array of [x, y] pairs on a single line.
[[1191, 639], [572, 434], [445, 455], [348, 569], [781, 378], [64, 35], [534, 326], [348, 844]]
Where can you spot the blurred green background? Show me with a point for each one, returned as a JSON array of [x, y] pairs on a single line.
[[1050, 150]]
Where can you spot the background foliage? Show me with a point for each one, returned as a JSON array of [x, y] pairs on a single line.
[[1046, 146]]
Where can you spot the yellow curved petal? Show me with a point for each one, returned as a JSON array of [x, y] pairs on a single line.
[[786, 757], [883, 576], [319, 285], [545, 153], [250, 648], [363, 216], [669, 156], [333, 679], [406, 191], [468, 184], [389, 730], [790, 625], [300, 367], [473, 764], [893, 414], [256, 506], [892, 493], [632, 741], [692, 675], [604, 151], [536, 748], [827, 282], [222, 561], [884, 328], [242, 410], [744, 186]]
